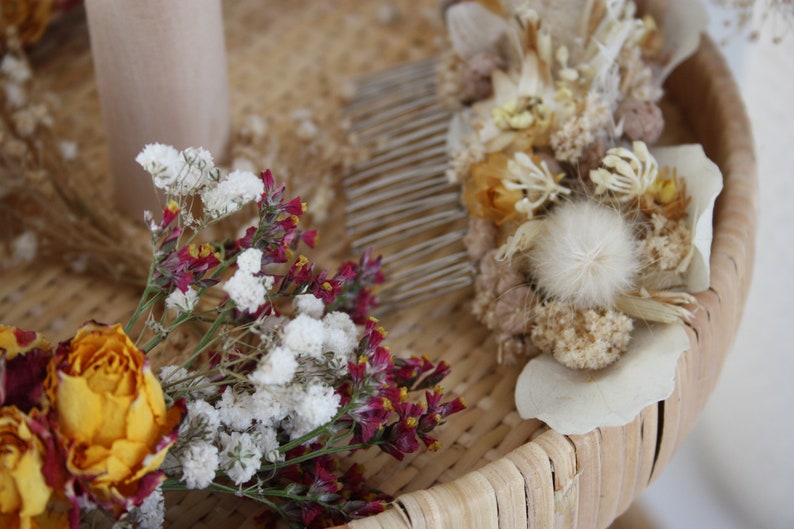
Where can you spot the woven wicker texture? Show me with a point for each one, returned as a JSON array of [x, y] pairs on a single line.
[[495, 470]]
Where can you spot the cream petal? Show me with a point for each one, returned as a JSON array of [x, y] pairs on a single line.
[[504, 88], [576, 402], [459, 128], [683, 22], [473, 29], [703, 183]]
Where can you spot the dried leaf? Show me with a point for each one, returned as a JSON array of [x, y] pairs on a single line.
[[576, 402], [683, 22], [473, 29]]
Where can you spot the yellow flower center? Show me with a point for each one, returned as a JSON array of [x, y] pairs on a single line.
[[520, 113]]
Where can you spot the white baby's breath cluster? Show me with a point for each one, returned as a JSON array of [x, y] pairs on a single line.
[[151, 513], [248, 288], [181, 302], [192, 171], [290, 390]]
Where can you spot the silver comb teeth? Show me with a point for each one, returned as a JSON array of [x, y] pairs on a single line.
[[399, 201]]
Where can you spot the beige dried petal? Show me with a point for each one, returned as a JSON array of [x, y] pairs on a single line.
[[683, 21], [576, 402], [481, 237], [703, 183], [473, 29]]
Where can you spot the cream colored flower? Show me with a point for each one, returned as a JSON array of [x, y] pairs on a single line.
[[531, 176], [626, 174]]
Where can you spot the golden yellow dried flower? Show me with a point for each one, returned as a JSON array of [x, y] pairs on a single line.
[[111, 413]]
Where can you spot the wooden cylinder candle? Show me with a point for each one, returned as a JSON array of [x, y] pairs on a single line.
[[162, 78]]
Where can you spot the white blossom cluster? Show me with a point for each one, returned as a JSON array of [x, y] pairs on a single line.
[[291, 391], [192, 171], [181, 302], [247, 288]]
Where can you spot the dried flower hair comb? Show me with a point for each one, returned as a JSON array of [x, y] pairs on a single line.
[[580, 237]]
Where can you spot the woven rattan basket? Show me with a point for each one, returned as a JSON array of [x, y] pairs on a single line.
[[495, 470]]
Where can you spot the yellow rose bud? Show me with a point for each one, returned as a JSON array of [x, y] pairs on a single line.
[[111, 414], [24, 492]]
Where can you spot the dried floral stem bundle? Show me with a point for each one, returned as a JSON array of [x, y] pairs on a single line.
[[288, 371], [50, 208]]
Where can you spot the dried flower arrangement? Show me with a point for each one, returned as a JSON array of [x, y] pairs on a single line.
[[588, 243], [314, 478], [286, 371], [280, 379]]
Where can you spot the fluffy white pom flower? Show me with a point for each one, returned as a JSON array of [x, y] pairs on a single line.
[[304, 335], [309, 304], [240, 456], [585, 255], [16, 69], [271, 406], [198, 157], [250, 261], [277, 367], [181, 302], [237, 410], [24, 248], [246, 290], [199, 461], [231, 193]]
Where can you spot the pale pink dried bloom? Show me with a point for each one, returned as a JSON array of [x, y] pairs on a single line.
[[480, 238], [642, 120], [514, 310], [475, 76]]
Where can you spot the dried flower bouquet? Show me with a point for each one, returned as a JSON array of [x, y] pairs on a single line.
[[589, 243], [280, 379]]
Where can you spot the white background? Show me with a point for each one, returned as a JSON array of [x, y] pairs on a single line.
[[736, 470]]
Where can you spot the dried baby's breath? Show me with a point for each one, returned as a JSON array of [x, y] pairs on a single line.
[[49, 192]]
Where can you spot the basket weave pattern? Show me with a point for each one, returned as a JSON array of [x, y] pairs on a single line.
[[495, 470]]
